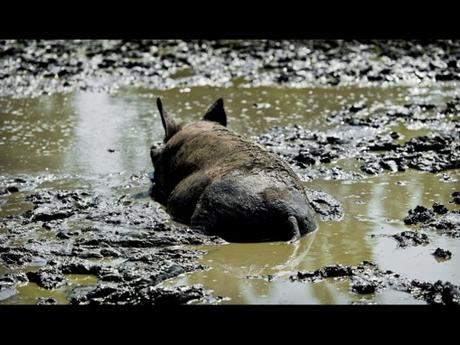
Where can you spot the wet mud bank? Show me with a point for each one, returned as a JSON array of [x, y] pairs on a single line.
[[130, 246], [31, 68]]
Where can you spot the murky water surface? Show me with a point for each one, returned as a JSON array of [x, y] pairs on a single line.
[[96, 140]]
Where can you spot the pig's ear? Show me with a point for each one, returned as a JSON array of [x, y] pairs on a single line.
[[168, 123], [216, 113]]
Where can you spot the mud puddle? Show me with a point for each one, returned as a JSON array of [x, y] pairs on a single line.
[[81, 216]]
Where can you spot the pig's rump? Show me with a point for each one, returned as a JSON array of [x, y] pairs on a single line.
[[254, 207]]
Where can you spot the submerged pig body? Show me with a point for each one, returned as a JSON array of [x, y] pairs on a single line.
[[224, 184]]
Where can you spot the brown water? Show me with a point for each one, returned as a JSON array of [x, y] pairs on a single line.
[[65, 138]]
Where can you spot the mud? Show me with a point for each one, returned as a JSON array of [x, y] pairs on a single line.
[[46, 301], [432, 153], [86, 233], [37, 67], [325, 205], [419, 214], [367, 278], [48, 278], [361, 133], [438, 219], [424, 221], [442, 254], [439, 208], [456, 197], [9, 190], [308, 151], [411, 238], [141, 293]]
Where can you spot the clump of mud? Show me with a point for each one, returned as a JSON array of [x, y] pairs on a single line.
[[456, 198], [438, 219], [325, 205], [411, 238], [425, 220], [442, 254], [46, 301]]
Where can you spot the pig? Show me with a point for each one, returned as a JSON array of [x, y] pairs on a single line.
[[221, 183]]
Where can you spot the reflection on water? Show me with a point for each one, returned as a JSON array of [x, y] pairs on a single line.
[[106, 123], [75, 134], [34, 133]]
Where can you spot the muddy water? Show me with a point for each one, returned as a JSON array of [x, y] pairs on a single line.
[[375, 206], [98, 140]]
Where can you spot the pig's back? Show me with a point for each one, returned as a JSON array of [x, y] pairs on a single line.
[[218, 151]]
